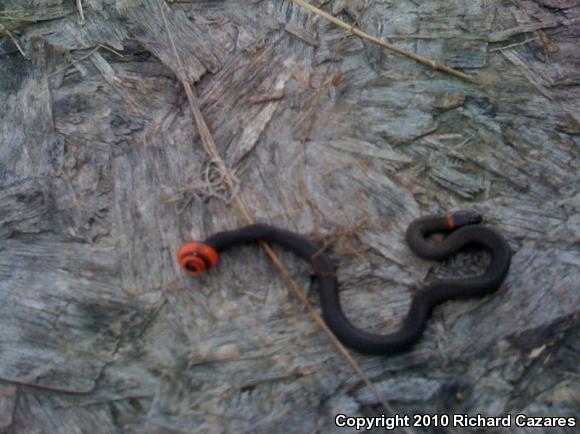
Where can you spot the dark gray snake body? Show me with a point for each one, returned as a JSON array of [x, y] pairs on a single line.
[[463, 229]]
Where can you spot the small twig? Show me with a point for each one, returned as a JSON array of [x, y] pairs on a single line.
[[80, 8], [12, 38], [355, 31], [516, 44], [16, 15], [86, 56]]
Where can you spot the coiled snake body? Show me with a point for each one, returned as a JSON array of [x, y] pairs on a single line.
[[463, 229]]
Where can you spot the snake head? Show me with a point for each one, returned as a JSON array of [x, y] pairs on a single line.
[[463, 218], [194, 258]]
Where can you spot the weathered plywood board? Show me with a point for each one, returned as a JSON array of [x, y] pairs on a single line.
[[103, 175]]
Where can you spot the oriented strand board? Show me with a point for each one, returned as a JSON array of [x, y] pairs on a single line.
[[103, 175]]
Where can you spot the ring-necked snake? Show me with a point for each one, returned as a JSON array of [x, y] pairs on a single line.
[[463, 229]]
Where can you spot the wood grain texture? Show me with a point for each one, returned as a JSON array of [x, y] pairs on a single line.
[[103, 176]]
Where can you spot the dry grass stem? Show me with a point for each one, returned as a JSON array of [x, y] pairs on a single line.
[[80, 9], [355, 31], [13, 39], [211, 148]]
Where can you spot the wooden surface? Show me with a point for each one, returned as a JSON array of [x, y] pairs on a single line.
[[103, 176]]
